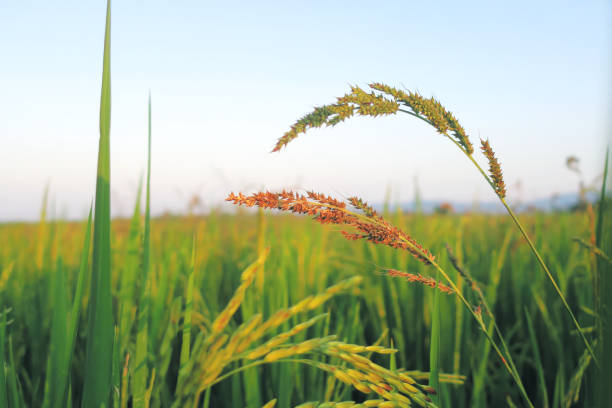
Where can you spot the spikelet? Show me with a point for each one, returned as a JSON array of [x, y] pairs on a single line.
[[357, 101], [354, 348], [432, 111], [425, 280], [494, 168], [282, 338], [300, 348], [390, 385], [444, 377], [359, 204]]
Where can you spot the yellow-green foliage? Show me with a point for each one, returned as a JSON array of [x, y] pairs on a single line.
[[304, 260]]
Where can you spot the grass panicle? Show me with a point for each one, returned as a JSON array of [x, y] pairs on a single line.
[[327, 210], [425, 280], [494, 168]]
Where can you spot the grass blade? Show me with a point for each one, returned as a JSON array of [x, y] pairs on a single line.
[[57, 378], [129, 275], [186, 339], [14, 389], [434, 350], [3, 388], [141, 370], [604, 274], [99, 354], [537, 359]]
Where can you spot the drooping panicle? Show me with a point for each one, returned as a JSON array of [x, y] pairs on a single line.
[[368, 226], [494, 168], [375, 104], [431, 110]]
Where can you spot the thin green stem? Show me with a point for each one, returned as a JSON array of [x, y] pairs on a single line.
[[551, 278], [525, 235]]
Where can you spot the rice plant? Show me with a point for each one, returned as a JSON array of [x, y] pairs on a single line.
[[366, 224]]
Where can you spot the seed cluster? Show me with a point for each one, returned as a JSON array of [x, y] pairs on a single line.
[[369, 226], [375, 104], [215, 351], [431, 110], [494, 168], [357, 101], [368, 377]]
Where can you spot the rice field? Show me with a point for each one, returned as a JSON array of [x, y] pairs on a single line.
[[304, 260], [260, 308]]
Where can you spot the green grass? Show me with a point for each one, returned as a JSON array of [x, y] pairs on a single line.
[[100, 330]]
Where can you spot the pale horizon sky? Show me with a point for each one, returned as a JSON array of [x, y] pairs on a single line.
[[228, 78]]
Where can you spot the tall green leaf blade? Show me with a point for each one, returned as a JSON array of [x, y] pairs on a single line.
[[78, 293], [129, 275], [16, 397], [3, 388], [57, 374], [604, 272], [537, 360], [186, 339], [434, 350], [99, 354], [142, 341]]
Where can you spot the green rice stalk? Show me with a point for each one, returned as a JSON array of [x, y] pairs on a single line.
[[129, 274], [57, 369], [434, 349], [3, 385], [16, 397], [186, 339], [99, 353], [141, 370], [604, 309], [538, 360]]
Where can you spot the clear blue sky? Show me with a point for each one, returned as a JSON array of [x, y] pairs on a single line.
[[228, 78]]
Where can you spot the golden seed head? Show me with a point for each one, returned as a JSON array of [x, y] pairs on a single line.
[[373, 403], [345, 404], [307, 405], [362, 387], [278, 354], [387, 404], [342, 376]]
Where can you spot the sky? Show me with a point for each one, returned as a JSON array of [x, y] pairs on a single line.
[[229, 78]]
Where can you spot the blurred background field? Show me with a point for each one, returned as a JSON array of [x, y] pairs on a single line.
[[306, 258]]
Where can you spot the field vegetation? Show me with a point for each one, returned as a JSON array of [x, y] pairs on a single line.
[[304, 260]]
